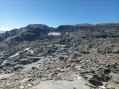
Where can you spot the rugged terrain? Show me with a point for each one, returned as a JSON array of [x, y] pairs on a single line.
[[82, 56]]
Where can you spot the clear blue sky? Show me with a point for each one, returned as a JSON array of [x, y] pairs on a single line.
[[19, 13]]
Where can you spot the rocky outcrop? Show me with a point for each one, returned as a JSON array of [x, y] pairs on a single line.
[[79, 52], [38, 31]]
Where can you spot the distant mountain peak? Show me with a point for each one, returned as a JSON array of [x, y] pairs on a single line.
[[84, 24], [37, 25]]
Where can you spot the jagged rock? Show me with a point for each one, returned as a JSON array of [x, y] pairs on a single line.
[[116, 50], [76, 55], [78, 67], [25, 61], [89, 77], [3, 79], [95, 82], [101, 76], [17, 67], [7, 64], [107, 71], [63, 58]]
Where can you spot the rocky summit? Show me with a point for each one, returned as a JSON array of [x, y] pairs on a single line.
[[82, 56]]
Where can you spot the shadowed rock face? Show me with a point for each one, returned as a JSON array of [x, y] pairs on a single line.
[[28, 33], [96, 83]]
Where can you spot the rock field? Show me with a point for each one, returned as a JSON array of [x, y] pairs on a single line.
[[67, 57]]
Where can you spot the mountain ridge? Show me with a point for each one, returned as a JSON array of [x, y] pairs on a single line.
[[35, 31], [68, 53]]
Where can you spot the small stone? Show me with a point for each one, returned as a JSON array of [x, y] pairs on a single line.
[[21, 87], [58, 69], [11, 86], [63, 70], [95, 82], [4, 79], [78, 67], [29, 85], [89, 77]]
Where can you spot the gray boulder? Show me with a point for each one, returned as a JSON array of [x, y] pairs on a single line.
[[115, 77]]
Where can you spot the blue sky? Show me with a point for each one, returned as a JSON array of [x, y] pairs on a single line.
[[19, 13]]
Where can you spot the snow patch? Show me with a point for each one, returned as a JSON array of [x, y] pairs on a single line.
[[14, 55], [102, 87], [79, 77], [36, 57], [5, 61], [54, 33], [29, 51], [26, 49]]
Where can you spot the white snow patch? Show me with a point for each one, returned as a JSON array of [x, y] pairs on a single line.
[[24, 59], [14, 55], [4, 62], [79, 77], [102, 87], [31, 51], [36, 57], [54, 33], [26, 49]]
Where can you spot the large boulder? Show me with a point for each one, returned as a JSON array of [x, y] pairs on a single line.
[[95, 82], [115, 77]]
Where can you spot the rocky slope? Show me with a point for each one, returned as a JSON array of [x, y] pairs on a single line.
[[82, 56]]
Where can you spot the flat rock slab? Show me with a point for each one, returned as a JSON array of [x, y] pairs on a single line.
[[62, 84], [3, 76]]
